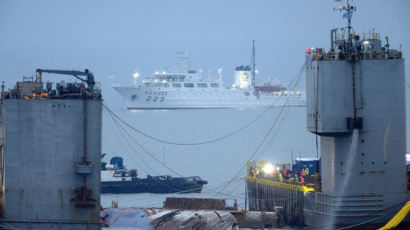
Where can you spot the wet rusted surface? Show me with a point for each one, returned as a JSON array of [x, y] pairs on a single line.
[[61, 196], [164, 219], [190, 219], [194, 203], [21, 194], [125, 217], [258, 219]]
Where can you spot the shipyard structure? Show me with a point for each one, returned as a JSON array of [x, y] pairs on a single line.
[[50, 153], [356, 106]]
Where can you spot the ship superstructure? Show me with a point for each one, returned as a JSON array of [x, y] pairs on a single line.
[[184, 88], [50, 153]]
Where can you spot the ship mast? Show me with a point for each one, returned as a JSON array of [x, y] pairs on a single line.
[[348, 15], [349, 49], [253, 64]]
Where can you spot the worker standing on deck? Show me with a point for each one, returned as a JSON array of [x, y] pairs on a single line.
[[280, 177], [261, 173], [256, 172], [275, 174], [307, 174]]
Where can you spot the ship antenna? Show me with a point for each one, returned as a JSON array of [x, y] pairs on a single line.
[[349, 49], [253, 64], [2, 91], [348, 15]]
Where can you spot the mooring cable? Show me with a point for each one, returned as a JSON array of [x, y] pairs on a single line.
[[132, 149], [153, 157], [266, 135]]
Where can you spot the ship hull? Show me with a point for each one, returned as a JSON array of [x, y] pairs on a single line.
[[316, 220], [137, 98], [361, 211], [145, 186]]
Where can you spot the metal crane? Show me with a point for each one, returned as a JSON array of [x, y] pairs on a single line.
[[90, 77]]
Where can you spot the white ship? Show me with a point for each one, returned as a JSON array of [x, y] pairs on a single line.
[[182, 88]]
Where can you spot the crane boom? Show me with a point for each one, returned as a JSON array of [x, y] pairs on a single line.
[[90, 77]]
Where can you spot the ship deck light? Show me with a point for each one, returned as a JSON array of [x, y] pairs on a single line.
[[268, 168], [136, 75]]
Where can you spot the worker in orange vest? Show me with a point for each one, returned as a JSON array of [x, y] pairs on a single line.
[[302, 178]]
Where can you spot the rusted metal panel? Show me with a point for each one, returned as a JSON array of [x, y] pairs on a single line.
[[125, 218], [265, 197], [257, 219], [165, 219], [43, 145], [194, 203]]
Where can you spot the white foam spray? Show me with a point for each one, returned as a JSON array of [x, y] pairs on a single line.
[[350, 159]]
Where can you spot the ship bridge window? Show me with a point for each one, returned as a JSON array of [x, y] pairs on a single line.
[[189, 85], [202, 85], [148, 84], [214, 85], [176, 78], [159, 84], [176, 85]]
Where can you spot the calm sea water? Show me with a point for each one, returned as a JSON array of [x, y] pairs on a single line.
[[218, 162]]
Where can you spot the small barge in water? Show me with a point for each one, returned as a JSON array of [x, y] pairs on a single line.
[[115, 178]]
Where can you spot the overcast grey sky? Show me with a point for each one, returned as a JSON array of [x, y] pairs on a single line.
[[115, 37]]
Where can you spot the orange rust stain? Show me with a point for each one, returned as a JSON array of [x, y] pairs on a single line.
[[21, 194], [60, 193]]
